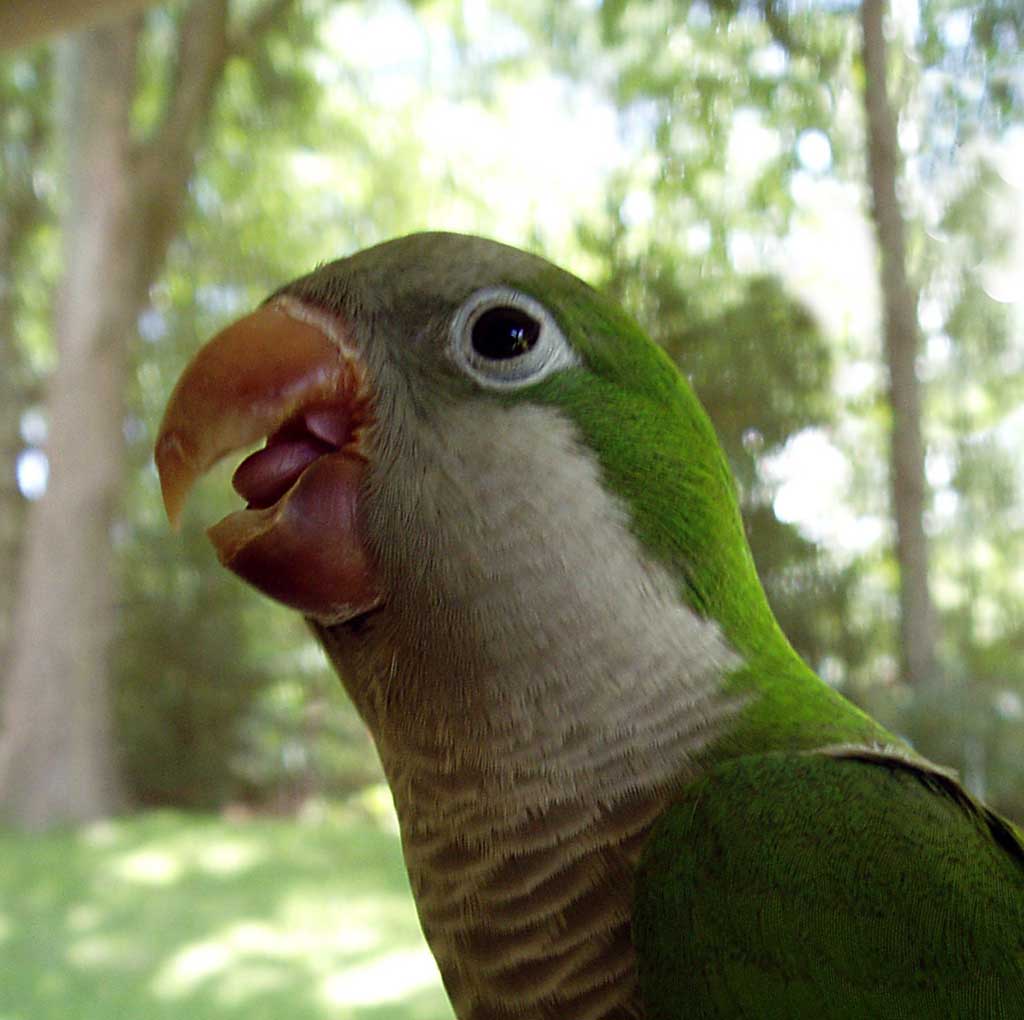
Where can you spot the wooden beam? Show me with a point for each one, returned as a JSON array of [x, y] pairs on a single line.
[[25, 22]]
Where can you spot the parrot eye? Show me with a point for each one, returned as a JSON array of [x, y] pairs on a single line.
[[501, 333], [503, 339]]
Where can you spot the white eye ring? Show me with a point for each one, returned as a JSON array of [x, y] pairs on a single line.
[[524, 341]]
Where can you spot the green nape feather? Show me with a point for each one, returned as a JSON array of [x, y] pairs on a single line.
[[659, 454], [831, 886]]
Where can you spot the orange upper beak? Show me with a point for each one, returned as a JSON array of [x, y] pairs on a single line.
[[240, 387], [269, 374]]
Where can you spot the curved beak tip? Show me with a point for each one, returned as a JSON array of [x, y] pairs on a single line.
[[176, 476]]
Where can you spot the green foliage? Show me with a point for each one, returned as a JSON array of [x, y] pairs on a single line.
[[28, 194], [970, 46], [167, 915], [301, 738], [184, 679], [776, 379]]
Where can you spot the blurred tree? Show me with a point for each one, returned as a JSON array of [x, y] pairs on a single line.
[[961, 91], [902, 346], [126, 197], [55, 756]]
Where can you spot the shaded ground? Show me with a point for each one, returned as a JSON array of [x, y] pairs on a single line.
[[166, 916]]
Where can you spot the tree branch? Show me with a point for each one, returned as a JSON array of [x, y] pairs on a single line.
[[165, 161], [778, 24], [248, 35], [202, 52]]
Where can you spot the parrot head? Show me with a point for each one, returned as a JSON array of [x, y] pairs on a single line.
[[416, 400]]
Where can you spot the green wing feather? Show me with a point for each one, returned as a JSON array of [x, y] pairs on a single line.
[[846, 885]]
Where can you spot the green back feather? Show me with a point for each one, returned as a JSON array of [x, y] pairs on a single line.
[[840, 887]]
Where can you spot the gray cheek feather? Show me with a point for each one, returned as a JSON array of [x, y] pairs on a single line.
[[516, 584]]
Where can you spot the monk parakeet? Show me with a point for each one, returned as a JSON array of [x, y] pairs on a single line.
[[621, 793]]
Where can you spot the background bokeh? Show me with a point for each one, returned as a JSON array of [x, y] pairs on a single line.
[[706, 162]]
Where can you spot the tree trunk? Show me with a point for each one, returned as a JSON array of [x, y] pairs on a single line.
[[55, 760], [56, 756], [902, 343]]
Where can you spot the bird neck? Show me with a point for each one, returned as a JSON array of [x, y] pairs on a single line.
[[526, 787], [525, 791]]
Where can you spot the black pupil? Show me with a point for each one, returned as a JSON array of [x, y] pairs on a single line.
[[503, 333]]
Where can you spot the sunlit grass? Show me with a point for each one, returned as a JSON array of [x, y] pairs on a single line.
[[168, 915]]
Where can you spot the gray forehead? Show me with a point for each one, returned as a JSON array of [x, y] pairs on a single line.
[[428, 273], [400, 298]]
